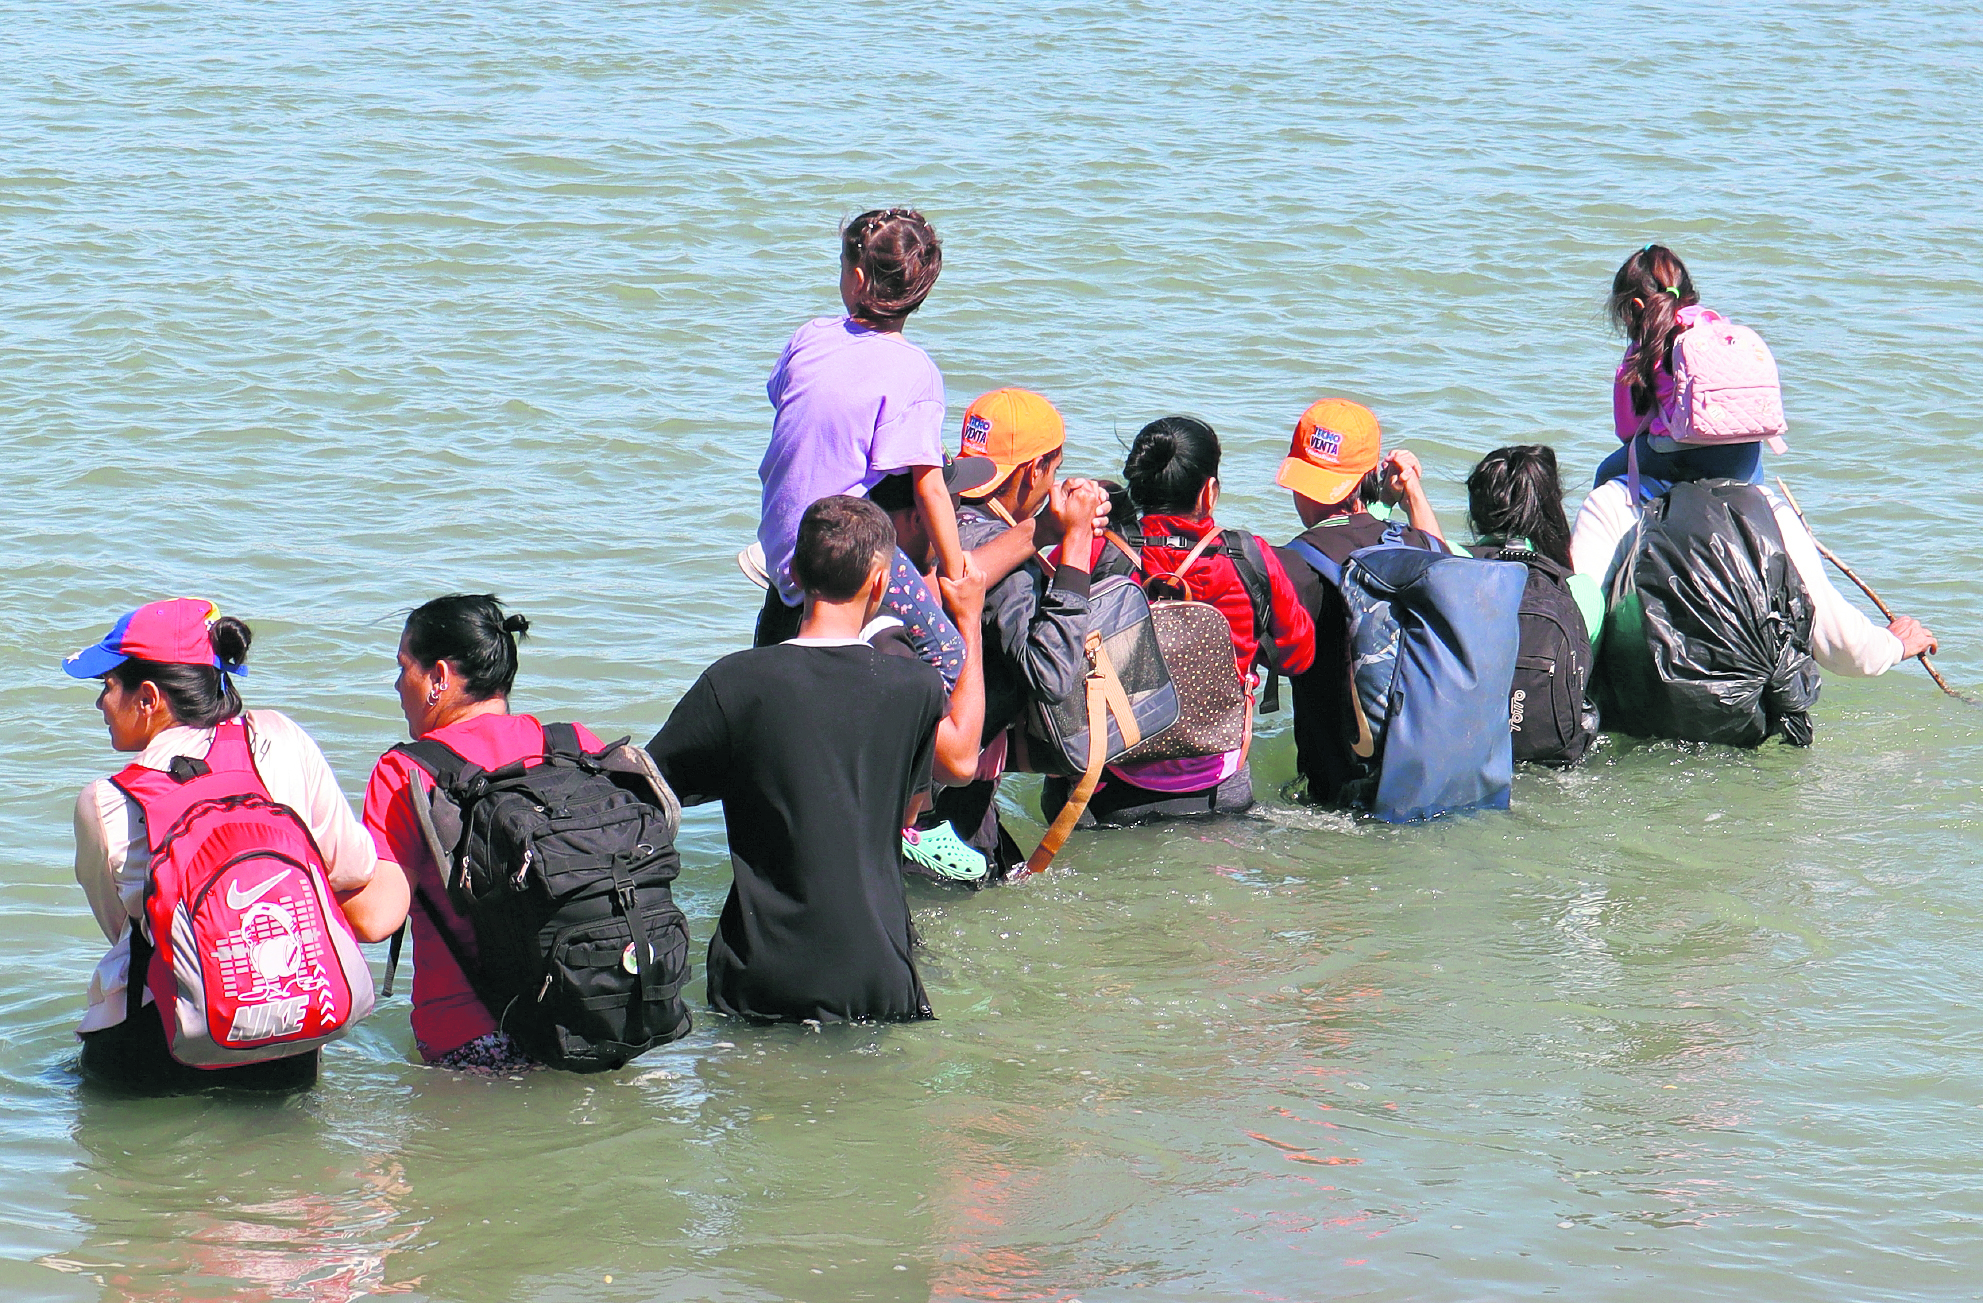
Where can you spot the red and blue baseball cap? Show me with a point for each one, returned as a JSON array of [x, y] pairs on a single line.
[[170, 633]]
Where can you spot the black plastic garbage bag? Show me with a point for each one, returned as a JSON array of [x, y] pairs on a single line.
[[1707, 637]]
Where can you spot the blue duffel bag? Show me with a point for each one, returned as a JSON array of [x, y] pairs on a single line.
[[1433, 640]]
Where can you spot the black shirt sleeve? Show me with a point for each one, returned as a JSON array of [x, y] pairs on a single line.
[[692, 750], [1309, 587]]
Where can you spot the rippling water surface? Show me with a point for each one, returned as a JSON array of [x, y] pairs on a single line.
[[321, 310]]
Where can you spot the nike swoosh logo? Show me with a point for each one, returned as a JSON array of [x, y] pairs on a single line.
[[238, 899]]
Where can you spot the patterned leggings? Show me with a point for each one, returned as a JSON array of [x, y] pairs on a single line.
[[923, 618], [493, 1053]]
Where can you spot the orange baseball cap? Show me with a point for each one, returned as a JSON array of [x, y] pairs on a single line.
[[1336, 444], [1011, 427]]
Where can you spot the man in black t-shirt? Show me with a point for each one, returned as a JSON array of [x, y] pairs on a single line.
[[815, 747], [1337, 469]]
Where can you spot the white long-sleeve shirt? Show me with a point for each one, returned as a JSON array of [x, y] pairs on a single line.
[[113, 852], [1843, 640]]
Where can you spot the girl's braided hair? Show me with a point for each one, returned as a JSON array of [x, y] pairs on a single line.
[[899, 257]]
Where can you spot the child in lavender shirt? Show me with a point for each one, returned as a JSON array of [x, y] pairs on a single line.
[[855, 402]]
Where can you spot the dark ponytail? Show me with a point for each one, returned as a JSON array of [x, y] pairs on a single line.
[[199, 696], [1169, 464], [1517, 493], [470, 632], [1646, 297]]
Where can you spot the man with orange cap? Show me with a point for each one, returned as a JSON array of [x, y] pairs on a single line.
[[1035, 622], [1337, 470]]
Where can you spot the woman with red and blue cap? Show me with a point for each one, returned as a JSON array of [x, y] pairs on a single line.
[[168, 671]]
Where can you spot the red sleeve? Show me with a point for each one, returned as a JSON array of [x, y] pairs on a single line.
[[1293, 627], [389, 815], [588, 739]]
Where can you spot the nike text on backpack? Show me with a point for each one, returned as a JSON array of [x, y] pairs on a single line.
[[1708, 632], [248, 958], [1550, 712], [1433, 641], [563, 867]]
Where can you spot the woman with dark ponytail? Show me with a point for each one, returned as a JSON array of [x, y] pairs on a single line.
[[1173, 476], [457, 664], [169, 672]]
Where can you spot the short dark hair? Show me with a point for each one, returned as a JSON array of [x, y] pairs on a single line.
[[894, 493], [199, 696], [470, 631], [899, 257], [841, 541]]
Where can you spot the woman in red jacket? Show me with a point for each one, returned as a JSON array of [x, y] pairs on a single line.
[[1173, 476], [457, 663]]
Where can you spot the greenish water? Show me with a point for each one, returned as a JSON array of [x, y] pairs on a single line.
[[322, 310]]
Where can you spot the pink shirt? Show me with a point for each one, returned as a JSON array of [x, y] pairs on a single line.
[[446, 1011], [1629, 423]]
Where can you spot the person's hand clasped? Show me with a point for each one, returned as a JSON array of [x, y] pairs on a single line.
[[1915, 637], [1077, 504], [1401, 472], [964, 598]]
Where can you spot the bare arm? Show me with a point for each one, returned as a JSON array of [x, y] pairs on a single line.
[[1007, 552], [376, 909], [940, 518], [960, 731], [1403, 480]]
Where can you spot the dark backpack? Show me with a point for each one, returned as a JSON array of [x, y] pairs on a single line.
[[1550, 711], [1057, 731], [564, 869]]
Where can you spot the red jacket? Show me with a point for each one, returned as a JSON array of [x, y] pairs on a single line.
[[1215, 579]]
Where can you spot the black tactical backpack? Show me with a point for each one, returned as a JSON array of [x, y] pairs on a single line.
[[564, 868], [1550, 712]]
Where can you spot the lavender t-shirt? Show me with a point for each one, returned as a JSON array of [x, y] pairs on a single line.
[[853, 405]]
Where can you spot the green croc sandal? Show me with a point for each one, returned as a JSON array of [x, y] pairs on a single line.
[[942, 854]]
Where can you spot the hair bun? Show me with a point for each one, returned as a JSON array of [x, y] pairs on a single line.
[[516, 624], [230, 639]]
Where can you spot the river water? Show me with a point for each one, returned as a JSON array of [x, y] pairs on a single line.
[[322, 310]]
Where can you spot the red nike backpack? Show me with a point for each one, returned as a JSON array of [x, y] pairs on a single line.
[[249, 957]]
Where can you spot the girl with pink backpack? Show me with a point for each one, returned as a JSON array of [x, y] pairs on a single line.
[[1690, 376], [1690, 379], [1694, 400]]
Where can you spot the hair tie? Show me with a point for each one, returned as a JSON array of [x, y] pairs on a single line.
[[1647, 249], [1674, 292]]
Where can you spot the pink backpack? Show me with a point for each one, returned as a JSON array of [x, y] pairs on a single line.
[[249, 957], [1725, 387]]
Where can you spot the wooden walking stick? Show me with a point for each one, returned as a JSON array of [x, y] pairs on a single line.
[[1867, 589]]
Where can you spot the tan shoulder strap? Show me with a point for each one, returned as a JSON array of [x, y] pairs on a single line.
[[1175, 580], [1191, 557], [997, 508], [1105, 697]]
